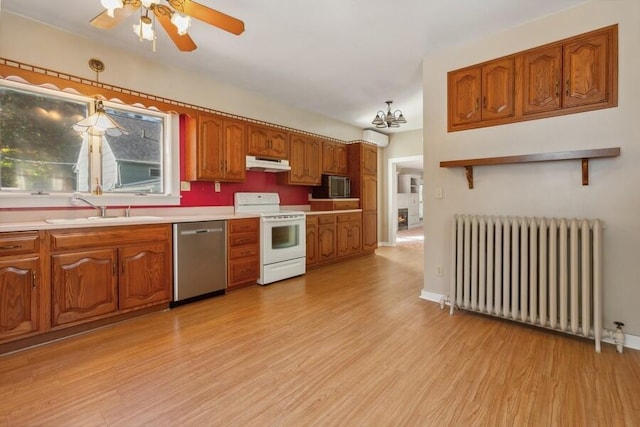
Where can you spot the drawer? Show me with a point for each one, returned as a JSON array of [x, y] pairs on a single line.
[[346, 204], [349, 217], [312, 219], [244, 251], [107, 236], [243, 239], [21, 242], [326, 219], [244, 270], [244, 225]]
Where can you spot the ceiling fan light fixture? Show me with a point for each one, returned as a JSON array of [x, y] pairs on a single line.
[[111, 5], [181, 22], [148, 3]]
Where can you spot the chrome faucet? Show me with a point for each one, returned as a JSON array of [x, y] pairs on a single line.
[[76, 197]]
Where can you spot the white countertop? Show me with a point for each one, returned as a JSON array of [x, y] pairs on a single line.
[[333, 212], [32, 225]]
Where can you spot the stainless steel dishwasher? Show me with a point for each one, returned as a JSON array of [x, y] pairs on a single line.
[[200, 260]]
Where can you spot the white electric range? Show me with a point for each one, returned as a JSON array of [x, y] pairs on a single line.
[[282, 236]]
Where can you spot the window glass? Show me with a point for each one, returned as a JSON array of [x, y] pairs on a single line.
[[133, 162], [38, 149]]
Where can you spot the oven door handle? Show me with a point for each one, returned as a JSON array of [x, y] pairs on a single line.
[[292, 220]]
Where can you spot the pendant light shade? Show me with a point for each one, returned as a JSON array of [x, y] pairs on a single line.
[[388, 119], [99, 123]]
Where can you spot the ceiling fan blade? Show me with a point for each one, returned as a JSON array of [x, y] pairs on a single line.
[[208, 15], [182, 42], [105, 22]]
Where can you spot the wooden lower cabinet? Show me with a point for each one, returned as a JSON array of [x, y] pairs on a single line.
[[85, 285], [333, 237], [19, 297], [20, 285], [243, 252], [102, 272], [349, 234], [369, 231]]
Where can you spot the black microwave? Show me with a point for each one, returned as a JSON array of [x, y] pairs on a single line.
[[333, 187]]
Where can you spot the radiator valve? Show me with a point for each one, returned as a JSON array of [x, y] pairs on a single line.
[[618, 336]]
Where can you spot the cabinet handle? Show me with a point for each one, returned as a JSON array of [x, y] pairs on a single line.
[[557, 88], [11, 247], [122, 266], [484, 102], [33, 281], [566, 92], [114, 269], [477, 104]]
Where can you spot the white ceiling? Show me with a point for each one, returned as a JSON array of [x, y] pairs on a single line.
[[339, 58]]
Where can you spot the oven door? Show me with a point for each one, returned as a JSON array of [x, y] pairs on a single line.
[[283, 239]]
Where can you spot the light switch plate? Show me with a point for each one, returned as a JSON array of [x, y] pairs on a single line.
[[185, 186], [216, 186]]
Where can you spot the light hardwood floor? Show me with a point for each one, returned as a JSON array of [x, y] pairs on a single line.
[[346, 345]]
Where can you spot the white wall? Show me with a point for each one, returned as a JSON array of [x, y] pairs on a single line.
[[36, 44], [544, 189]]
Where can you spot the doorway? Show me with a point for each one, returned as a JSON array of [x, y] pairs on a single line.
[[409, 193]]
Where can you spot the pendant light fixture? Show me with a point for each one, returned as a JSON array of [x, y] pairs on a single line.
[[389, 119], [98, 123]]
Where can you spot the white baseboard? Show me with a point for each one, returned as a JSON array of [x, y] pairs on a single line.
[[630, 341]]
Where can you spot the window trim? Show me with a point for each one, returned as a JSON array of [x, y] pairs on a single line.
[[170, 156]]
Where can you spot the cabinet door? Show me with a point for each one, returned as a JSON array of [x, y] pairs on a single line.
[[234, 150], [498, 89], [84, 285], [312, 161], [297, 160], [312, 243], [369, 159], [18, 297], [278, 144], [145, 275], [369, 194], [369, 231], [355, 237], [326, 242], [585, 69], [258, 144], [341, 159], [210, 152], [542, 80], [464, 89], [328, 157], [343, 237]]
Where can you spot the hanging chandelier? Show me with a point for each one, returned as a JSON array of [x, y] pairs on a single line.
[[389, 119]]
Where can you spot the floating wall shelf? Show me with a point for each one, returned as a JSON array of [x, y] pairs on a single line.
[[583, 155]]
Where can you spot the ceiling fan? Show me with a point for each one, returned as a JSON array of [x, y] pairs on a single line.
[[174, 19]]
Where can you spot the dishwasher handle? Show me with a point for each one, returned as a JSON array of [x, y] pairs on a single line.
[[200, 231]]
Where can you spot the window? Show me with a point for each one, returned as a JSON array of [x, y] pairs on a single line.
[[40, 153]]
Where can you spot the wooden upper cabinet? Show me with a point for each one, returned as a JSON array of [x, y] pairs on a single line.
[[568, 76], [542, 71], [369, 160], [498, 89], [586, 71], [464, 91], [268, 142], [214, 149], [334, 158], [304, 159]]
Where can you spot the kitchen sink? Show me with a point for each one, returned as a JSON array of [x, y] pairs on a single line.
[[99, 219]]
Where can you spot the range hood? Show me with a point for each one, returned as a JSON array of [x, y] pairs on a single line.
[[267, 165]]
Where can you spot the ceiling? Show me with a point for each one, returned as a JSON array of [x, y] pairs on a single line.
[[339, 58]]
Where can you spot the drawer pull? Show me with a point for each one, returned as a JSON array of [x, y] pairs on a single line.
[[10, 247]]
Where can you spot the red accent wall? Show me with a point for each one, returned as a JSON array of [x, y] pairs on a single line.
[[203, 194]]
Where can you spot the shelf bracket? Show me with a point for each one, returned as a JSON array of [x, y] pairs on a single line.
[[469, 175]]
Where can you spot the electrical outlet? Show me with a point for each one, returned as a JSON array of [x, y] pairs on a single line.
[[439, 271], [439, 193], [216, 186], [185, 186]]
